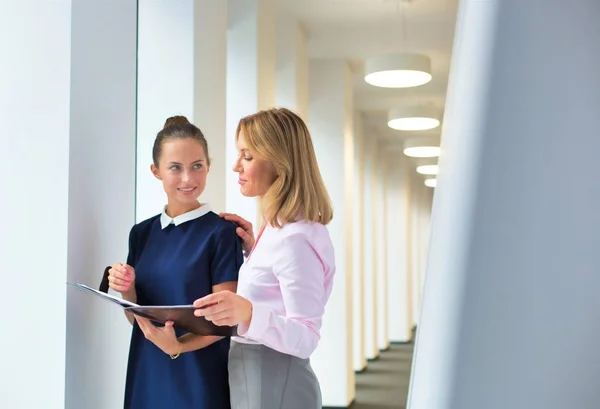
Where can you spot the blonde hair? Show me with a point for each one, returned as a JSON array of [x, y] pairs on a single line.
[[281, 137]]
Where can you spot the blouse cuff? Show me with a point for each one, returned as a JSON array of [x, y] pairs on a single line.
[[259, 323]]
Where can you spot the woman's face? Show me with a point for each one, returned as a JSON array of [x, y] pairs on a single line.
[[183, 169], [255, 176]]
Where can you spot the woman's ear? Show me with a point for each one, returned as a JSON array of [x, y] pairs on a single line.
[[155, 171]]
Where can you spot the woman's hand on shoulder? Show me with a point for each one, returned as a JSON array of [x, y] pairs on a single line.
[[244, 229], [121, 278], [224, 308]]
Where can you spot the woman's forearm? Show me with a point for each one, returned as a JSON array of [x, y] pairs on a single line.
[[130, 296], [192, 342]]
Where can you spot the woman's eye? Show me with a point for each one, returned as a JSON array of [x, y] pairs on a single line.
[[247, 159], [174, 168], [198, 166]]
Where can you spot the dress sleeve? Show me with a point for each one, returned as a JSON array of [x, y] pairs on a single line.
[[227, 258], [301, 276], [132, 253]]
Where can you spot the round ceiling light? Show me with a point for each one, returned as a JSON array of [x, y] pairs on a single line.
[[422, 147], [427, 169], [413, 118], [398, 70], [427, 166], [431, 182]]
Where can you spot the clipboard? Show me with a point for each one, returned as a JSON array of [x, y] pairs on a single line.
[[182, 315]]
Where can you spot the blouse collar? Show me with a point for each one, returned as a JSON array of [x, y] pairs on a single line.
[[166, 220]]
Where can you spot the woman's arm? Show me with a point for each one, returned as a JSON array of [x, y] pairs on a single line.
[[130, 296], [192, 342]]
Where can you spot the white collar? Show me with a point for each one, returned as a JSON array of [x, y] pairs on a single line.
[[166, 220]]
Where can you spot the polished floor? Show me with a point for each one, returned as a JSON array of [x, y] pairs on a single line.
[[384, 383]]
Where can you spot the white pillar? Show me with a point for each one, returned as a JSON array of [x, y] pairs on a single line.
[[510, 317], [370, 249], [103, 120], [165, 86], [292, 64], [358, 283], [69, 223], [416, 238], [383, 341], [181, 71], [399, 291], [35, 136], [424, 230], [210, 92], [331, 114], [251, 72]]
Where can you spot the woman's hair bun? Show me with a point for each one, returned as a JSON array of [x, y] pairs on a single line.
[[176, 120]]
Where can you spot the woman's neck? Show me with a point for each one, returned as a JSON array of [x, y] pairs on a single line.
[[177, 209]]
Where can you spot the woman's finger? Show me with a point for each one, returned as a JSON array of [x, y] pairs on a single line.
[[219, 315], [119, 288], [211, 299], [119, 281], [119, 274], [141, 324], [215, 309], [244, 235], [225, 322]]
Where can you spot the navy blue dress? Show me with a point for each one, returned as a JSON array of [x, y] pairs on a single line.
[[174, 265]]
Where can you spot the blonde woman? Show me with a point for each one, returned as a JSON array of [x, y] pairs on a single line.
[[287, 277]]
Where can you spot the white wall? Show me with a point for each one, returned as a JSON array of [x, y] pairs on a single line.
[[65, 350], [251, 82], [382, 220], [101, 195], [165, 86], [512, 282], [370, 246], [210, 93], [292, 64], [34, 160], [399, 291], [331, 118], [358, 284], [419, 215]]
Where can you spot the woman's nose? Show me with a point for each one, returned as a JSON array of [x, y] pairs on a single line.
[[185, 176], [236, 165]]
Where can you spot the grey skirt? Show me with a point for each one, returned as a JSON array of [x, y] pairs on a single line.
[[262, 378]]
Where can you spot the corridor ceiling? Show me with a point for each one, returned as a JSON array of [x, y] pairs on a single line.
[[358, 29]]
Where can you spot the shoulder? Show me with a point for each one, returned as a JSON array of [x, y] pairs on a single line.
[[310, 231], [144, 226], [216, 224], [306, 235]]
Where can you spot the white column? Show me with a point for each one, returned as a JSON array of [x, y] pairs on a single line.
[[165, 86], [292, 64], [399, 291], [181, 71], [33, 246], [510, 318], [210, 92], [370, 249], [331, 114], [66, 350], [358, 283], [251, 72], [101, 195], [424, 230], [383, 341], [416, 238]]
